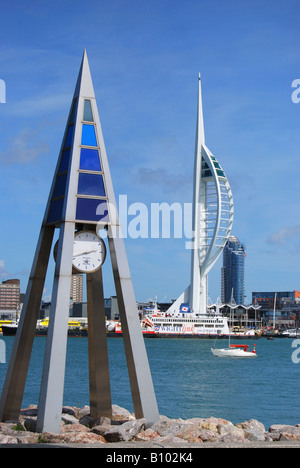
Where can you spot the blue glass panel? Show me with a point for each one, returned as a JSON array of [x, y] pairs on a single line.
[[87, 113], [55, 212], [60, 186], [88, 135], [72, 118], [69, 136], [64, 164], [89, 160], [91, 184], [89, 209]]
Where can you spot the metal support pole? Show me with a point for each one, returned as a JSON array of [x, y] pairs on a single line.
[[143, 395], [13, 389], [52, 385], [100, 394]]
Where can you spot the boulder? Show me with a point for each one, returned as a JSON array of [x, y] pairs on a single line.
[[119, 433], [121, 414]]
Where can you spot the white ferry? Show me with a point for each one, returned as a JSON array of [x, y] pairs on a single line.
[[186, 324]]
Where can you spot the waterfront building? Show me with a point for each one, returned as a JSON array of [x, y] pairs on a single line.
[[281, 305], [212, 219], [233, 271], [10, 295], [76, 288]]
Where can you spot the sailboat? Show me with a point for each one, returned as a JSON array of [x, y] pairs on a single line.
[[239, 351], [235, 350]]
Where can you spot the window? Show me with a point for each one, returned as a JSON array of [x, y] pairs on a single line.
[[91, 184], [87, 113], [88, 137], [89, 160], [91, 209]]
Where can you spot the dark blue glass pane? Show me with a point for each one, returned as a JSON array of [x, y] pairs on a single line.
[[88, 135], [64, 164], [89, 160], [91, 210], [87, 113], [55, 212], [72, 118], [69, 136], [60, 186], [91, 184]]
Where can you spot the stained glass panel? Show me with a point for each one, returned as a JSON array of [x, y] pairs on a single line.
[[88, 135], [89, 160], [55, 212], [89, 209], [91, 184]]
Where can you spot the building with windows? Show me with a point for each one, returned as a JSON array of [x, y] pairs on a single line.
[[283, 306], [76, 294], [233, 272], [10, 295]]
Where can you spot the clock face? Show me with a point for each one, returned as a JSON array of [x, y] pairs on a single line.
[[88, 252]]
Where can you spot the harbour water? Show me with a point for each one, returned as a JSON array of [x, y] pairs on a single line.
[[189, 381]]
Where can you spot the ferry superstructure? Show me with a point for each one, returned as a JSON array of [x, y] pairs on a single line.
[[186, 324], [200, 326]]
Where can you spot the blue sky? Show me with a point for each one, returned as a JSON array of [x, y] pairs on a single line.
[[145, 57]]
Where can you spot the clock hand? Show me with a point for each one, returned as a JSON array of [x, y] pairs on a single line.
[[85, 252]]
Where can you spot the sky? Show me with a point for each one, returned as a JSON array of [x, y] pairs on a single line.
[[145, 57]]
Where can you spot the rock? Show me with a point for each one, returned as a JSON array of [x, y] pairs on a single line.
[[146, 435], [27, 437], [284, 432], [280, 428], [225, 429], [233, 437], [9, 428], [254, 434], [69, 410], [208, 436], [124, 432], [162, 426], [171, 440], [72, 438], [8, 439], [253, 430], [87, 420], [121, 414], [31, 410], [85, 410], [69, 418], [257, 425], [77, 427], [211, 424], [252, 424], [30, 424]]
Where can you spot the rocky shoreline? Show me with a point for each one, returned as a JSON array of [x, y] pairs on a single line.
[[77, 427]]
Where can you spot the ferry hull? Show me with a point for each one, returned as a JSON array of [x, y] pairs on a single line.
[[205, 336]]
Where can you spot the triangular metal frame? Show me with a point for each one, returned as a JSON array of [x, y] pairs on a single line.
[[52, 384]]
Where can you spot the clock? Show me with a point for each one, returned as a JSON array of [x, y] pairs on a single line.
[[88, 251]]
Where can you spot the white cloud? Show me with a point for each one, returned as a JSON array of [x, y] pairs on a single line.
[[284, 234], [21, 151], [3, 271]]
